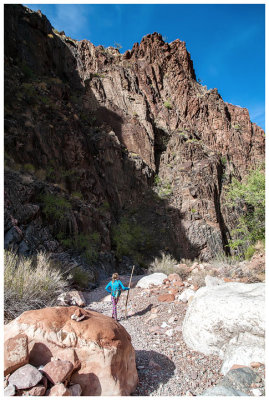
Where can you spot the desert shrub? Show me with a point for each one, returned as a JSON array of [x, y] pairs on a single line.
[[221, 260], [248, 195], [118, 46], [77, 195], [132, 240], [182, 271], [166, 264], [54, 207], [224, 161], [237, 127], [163, 188], [167, 104], [198, 278], [249, 252], [41, 174], [104, 208], [30, 283], [29, 168], [189, 262], [86, 244], [81, 277], [28, 73]]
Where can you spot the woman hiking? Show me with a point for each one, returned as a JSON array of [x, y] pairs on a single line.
[[115, 287]]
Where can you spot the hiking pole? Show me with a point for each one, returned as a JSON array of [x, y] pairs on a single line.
[[128, 292]]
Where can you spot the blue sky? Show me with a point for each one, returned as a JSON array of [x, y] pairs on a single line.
[[226, 41]]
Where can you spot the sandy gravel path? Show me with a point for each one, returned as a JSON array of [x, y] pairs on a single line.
[[166, 367]]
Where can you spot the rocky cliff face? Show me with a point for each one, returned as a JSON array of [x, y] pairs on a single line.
[[101, 145]]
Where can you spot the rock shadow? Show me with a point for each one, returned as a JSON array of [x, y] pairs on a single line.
[[158, 369], [90, 383], [40, 354], [142, 312]]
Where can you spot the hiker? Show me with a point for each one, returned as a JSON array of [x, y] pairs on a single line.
[[115, 287]]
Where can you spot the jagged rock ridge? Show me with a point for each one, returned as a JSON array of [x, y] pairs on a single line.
[[130, 135]]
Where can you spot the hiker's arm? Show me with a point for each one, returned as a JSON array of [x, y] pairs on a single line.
[[123, 287], [107, 288]]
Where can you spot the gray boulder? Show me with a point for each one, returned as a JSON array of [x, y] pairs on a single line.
[[25, 377], [220, 390]]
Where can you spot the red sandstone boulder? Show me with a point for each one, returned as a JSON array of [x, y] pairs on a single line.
[[15, 353], [166, 297], [101, 345], [58, 371], [38, 390], [59, 390]]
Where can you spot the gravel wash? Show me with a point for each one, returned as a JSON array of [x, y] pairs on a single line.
[[166, 367]]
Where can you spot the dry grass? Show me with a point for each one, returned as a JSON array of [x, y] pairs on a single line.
[[199, 277], [189, 262], [30, 283], [166, 264], [182, 271]]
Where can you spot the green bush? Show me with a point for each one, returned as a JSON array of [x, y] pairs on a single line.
[[29, 168], [30, 283], [81, 277], [248, 198], [104, 208], [249, 252], [167, 104], [55, 207], [224, 161], [237, 127], [132, 240], [77, 195], [28, 73], [86, 244], [162, 188]]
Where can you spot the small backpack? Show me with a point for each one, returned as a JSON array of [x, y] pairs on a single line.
[[116, 290]]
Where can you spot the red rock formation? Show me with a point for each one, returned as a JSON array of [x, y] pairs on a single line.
[[101, 345]]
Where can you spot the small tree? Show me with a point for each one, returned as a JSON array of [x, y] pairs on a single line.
[[118, 46], [248, 198]]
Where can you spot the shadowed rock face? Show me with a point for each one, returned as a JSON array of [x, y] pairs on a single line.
[[91, 120]]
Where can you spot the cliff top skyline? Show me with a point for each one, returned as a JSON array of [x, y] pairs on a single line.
[[226, 41]]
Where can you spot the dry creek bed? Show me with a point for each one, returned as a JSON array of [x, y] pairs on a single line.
[[166, 366]]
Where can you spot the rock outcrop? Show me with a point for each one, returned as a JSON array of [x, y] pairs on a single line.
[[228, 320], [127, 137], [96, 353]]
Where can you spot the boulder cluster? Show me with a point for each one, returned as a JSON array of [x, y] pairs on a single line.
[[224, 318], [68, 351]]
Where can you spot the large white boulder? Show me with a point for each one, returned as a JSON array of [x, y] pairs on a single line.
[[153, 279], [228, 320]]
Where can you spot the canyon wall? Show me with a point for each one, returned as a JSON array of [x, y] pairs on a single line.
[[104, 144]]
